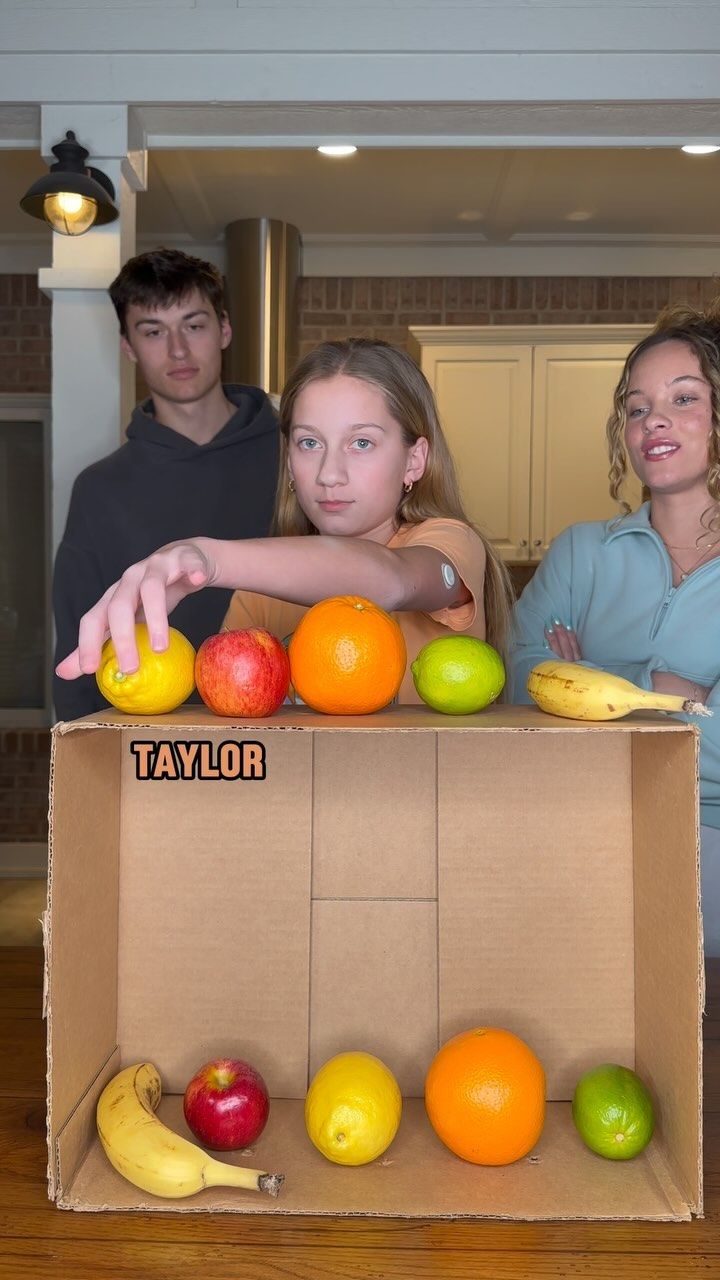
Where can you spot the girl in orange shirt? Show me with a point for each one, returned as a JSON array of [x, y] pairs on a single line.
[[366, 470]]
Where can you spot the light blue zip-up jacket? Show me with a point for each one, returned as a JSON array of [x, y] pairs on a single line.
[[612, 582]]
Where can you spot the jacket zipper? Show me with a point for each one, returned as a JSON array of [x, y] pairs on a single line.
[[663, 610]]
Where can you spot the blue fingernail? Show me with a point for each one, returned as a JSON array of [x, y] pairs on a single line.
[[558, 623], [549, 624]]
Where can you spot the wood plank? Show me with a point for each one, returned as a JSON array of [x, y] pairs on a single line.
[[133, 1261], [22, 1057]]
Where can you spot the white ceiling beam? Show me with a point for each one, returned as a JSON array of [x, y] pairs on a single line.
[[518, 175], [139, 76]]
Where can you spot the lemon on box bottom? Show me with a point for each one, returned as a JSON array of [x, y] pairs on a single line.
[[162, 681], [353, 1108]]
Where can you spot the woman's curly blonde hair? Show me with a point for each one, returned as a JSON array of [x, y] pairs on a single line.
[[700, 331]]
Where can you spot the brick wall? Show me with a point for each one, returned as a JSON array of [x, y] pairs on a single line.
[[24, 336], [25, 755], [384, 307]]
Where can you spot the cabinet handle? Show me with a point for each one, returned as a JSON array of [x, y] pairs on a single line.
[[537, 542], [523, 542]]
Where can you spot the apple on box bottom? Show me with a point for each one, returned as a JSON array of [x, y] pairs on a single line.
[[226, 1104], [242, 673]]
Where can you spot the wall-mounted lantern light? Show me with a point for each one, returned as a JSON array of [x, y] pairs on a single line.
[[71, 197]]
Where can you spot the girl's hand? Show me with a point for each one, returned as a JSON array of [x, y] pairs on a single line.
[[562, 640], [150, 589]]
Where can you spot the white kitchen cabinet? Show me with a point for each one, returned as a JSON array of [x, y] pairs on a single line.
[[524, 411]]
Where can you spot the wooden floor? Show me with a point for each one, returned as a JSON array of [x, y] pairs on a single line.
[[37, 1240]]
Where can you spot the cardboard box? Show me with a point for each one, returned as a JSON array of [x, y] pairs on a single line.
[[390, 880]]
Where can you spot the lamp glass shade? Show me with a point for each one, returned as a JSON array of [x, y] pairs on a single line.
[[70, 213]]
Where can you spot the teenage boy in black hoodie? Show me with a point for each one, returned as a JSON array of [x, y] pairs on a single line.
[[199, 456]]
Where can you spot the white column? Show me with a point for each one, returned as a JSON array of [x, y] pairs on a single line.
[[92, 384]]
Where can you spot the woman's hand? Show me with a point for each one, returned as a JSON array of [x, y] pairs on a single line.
[[562, 640], [150, 589], [666, 682]]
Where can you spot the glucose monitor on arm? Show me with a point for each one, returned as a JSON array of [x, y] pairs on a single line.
[[448, 574]]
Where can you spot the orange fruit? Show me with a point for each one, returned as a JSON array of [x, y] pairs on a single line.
[[347, 656], [485, 1096]]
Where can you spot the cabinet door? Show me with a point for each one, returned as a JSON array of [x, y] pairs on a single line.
[[573, 389], [484, 395]]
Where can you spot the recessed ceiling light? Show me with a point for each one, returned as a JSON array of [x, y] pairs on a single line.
[[579, 215], [700, 148], [470, 215], [345, 150]]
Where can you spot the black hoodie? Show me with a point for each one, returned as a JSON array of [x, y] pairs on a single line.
[[156, 488]]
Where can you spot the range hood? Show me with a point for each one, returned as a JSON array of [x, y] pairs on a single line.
[[262, 272]]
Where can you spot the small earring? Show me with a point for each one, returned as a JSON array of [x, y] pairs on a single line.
[[407, 486], [291, 485]]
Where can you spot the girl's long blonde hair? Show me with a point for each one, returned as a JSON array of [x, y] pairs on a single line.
[[411, 403], [700, 331]]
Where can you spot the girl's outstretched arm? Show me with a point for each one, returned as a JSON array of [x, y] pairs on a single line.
[[300, 569]]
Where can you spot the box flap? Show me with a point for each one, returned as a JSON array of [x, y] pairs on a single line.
[[394, 717], [536, 897], [82, 923], [229, 862], [669, 968]]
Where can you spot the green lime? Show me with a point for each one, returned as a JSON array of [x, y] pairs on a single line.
[[613, 1112], [458, 674]]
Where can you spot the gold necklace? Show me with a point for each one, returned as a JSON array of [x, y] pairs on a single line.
[[685, 573], [694, 546]]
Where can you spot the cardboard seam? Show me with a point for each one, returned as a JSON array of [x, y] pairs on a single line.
[[118, 846], [667, 1184], [272, 1211], [368, 898], [437, 890], [565, 726]]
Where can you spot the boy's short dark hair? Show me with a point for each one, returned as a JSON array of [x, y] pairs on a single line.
[[163, 277]]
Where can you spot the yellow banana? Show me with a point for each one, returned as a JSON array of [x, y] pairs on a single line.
[[150, 1155], [582, 693]]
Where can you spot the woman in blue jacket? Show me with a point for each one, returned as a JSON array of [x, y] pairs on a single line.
[[640, 595]]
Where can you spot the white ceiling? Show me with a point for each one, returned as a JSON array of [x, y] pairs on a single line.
[[498, 195]]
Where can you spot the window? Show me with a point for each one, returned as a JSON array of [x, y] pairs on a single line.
[[25, 561]]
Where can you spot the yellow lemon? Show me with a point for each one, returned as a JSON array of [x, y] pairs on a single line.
[[458, 674], [161, 682], [353, 1108]]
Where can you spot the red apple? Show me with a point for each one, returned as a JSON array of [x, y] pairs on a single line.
[[242, 673], [226, 1104]]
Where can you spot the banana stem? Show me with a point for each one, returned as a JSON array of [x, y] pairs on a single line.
[[673, 702], [218, 1174]]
